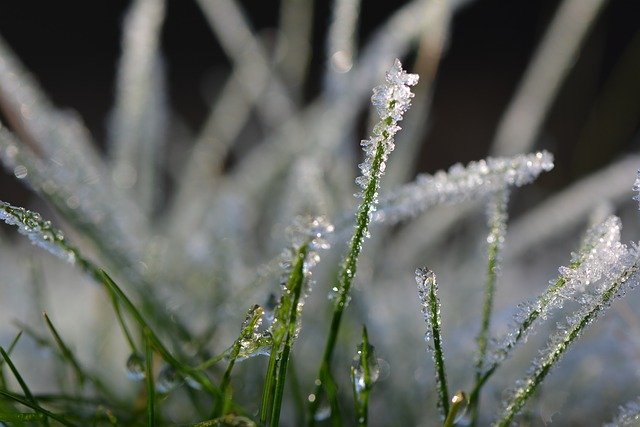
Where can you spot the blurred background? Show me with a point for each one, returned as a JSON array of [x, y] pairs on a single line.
[[73, 48]]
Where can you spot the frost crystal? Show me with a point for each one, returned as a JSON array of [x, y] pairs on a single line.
[[391, 100], [461, 183], [620, 277], [309, 231], [426, 279], [40, 232], [601, 255]]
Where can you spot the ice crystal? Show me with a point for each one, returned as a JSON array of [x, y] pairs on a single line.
[[620, 277], [426, 279], [461, 183], [40, 232], [628, 415], [600, 254], [252, 341]]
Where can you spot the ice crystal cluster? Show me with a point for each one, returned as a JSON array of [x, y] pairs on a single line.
[[307, 234], [40, 232], [183, 230], [600, 254], [461, 183], [391, 101]]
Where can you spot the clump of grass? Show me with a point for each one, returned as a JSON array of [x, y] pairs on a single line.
[[213, 248]]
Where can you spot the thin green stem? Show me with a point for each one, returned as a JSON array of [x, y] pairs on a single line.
[[123, 323], [457, 402], [194, 373], [30, 404], [12, 345], [438, 358], [497, 220], [150, 386], [66, 353], [361, 381], [269, 384], [347, 274]]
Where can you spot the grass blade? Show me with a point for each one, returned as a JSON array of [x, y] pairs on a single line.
[[150, 387]]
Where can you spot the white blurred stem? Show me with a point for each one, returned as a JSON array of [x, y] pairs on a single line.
[[551, 63], [238, 41], [341, 44], [139, 119], [293, 45]]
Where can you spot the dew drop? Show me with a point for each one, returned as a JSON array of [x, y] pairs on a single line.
[[167, 380], [323, 413], [136, 367]]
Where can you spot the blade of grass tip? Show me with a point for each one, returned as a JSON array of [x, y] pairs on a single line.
[[28, 403], [391, 100], [457, 402], [66, 353], [364, 372], [194, 373], [307, 235], [250, 325], [497, 219], [296, 279], [151, 390], [428, 294]]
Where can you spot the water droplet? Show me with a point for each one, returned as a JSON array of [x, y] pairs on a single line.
[[323, 413], [167, 380], [136, 367]]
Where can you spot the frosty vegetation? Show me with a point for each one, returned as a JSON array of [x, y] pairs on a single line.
[[203, 319]]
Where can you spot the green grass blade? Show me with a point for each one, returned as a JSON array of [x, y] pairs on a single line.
[[157, 344], [18, 377], [497, 213], [65, 352], [12, 345], [28, 403], [150, 387], [297, 281]]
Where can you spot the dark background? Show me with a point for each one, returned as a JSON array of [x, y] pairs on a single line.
[[73, 47]]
